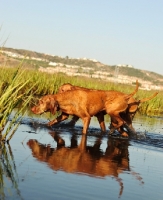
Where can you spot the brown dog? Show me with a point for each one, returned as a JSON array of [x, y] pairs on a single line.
[[127, 116], [100, 116], [85, 104], [133, 106]]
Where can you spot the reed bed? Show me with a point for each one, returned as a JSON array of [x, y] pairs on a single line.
[[44, 83], [12, 95]]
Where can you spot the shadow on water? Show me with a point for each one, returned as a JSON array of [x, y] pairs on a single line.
[[145, 137], [149, 131], [8, 174], [86, 159]]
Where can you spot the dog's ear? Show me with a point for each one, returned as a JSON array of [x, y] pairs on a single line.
[[54, 106], [73, 88]]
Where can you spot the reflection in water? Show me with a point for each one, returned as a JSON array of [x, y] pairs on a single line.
[[149, 129], [85, 159], [8, 174]]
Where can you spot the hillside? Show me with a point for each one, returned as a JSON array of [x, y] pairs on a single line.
[[81, 67]]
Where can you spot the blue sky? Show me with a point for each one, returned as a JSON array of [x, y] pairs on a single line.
[[111, 31]]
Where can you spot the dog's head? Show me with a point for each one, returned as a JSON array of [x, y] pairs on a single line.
[[65, 87], [46, 104], [133, 104]]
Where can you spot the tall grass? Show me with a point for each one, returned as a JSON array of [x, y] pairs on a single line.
[[13, 95]]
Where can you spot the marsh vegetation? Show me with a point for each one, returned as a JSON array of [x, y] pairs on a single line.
[[19, 86]]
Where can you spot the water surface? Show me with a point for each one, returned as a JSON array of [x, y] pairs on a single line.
[[60, 163]]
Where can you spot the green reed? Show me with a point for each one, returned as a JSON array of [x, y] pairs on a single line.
[[153, 106], [44, 83], [13, 94]]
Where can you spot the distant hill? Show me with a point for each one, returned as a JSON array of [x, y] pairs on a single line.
[[81, 67]]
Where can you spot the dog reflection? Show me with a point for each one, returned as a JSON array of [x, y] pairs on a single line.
[[90, 160]]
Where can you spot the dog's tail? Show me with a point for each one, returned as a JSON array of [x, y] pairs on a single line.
[[149, 98], [128, 96]]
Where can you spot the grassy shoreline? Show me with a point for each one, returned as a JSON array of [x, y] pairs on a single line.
[[44, 83]]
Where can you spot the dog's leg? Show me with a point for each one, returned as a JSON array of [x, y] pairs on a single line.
[[100, 117], [116, 123], [128, 119], [122, 132], [58, 139], [62, 117], [83, 143], [112, 127], [73, 120], [86, 121], [130, 129], [114, 109]]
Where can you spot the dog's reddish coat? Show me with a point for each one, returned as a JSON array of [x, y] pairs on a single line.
[[85, 104], [127, 116]]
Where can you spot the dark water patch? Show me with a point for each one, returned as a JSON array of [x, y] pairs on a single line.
[[150, 140], [144, 137]]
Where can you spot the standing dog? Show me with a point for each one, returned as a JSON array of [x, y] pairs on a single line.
[[127, 116], [85, 104]]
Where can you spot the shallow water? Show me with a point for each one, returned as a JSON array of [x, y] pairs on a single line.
[[60, 163]]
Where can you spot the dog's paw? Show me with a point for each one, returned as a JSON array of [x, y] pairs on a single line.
[[49, 124], [124, 134], [112, 130]]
